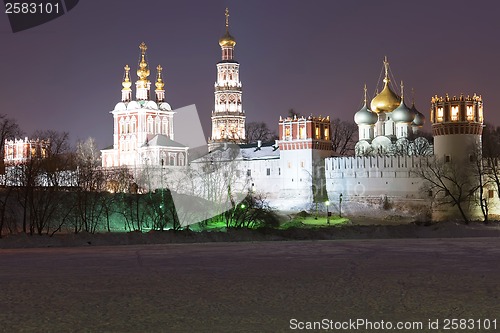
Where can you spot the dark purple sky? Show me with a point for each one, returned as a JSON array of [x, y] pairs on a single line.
[[313, 56]]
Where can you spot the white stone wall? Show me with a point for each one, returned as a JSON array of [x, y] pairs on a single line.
[[368, 184]]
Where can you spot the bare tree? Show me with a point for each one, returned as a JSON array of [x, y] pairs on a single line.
[[40, 180], [90, 184], [491, 154], [7, 213], [450, 183], [343, 136], [293, 113], [482, 181], [252, 212], [256, 131], [9, 129]]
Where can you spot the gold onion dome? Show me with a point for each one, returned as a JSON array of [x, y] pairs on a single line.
[[387, 100], [126, 81], [227, 40], [159, 82], [143, 71]]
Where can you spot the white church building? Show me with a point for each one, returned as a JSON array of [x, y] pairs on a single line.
[[143, 127]]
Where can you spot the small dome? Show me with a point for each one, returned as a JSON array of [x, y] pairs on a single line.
[[365, 116], [402, 114], [133, 105], [419, 117], [165, 106], [151, 105], [120, 106], [386, 101], [227, 40]]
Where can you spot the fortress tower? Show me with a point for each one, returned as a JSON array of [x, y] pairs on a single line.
[[457, 125], [304, 143]]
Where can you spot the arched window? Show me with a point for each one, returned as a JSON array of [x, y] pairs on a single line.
[[158, 125], [181, 159], [150, 124], [122, 126], [133, 125], [127, 123], [165, 126]]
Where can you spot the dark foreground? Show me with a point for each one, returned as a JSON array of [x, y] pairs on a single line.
[[248, 287], [356, 231]]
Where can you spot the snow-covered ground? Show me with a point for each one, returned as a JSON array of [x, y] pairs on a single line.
[[247, 286]]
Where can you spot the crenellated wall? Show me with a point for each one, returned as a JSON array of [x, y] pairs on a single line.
[[371, 184]]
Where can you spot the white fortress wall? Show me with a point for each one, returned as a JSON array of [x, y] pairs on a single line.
[[382, 182]]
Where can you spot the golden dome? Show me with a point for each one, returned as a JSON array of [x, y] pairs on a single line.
[[387, 100], [159, 82], [126, 81], [143, 71], [227, 40]]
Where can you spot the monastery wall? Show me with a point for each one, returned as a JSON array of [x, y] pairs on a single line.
[[381, 185]]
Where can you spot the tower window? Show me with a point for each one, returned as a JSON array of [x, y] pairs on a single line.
[[249, 172], [302, 132], [470, 113], [317, 132], [491, 193], [454, 113], [447, 158], [440, 114], [268, 171]]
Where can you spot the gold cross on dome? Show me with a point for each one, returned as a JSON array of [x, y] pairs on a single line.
[[227, 18], [143, 47], [159, 68], [386, 66]]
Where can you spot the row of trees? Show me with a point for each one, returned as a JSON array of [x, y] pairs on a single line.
[[69, 191]]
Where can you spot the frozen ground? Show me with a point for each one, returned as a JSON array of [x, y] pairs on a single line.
[[247, 287]]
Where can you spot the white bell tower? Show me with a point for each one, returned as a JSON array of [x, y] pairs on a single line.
[[228, 117]]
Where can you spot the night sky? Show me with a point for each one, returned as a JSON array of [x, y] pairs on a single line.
[[312, 56]]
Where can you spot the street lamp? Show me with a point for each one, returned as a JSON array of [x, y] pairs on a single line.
[[327, 203], [340, 205]]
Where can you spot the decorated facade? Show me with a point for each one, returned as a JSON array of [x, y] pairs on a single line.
[[18, 151], [228, 117], [143, 127]]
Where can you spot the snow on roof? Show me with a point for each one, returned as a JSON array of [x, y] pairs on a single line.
[[162, 141], [265, 151]]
